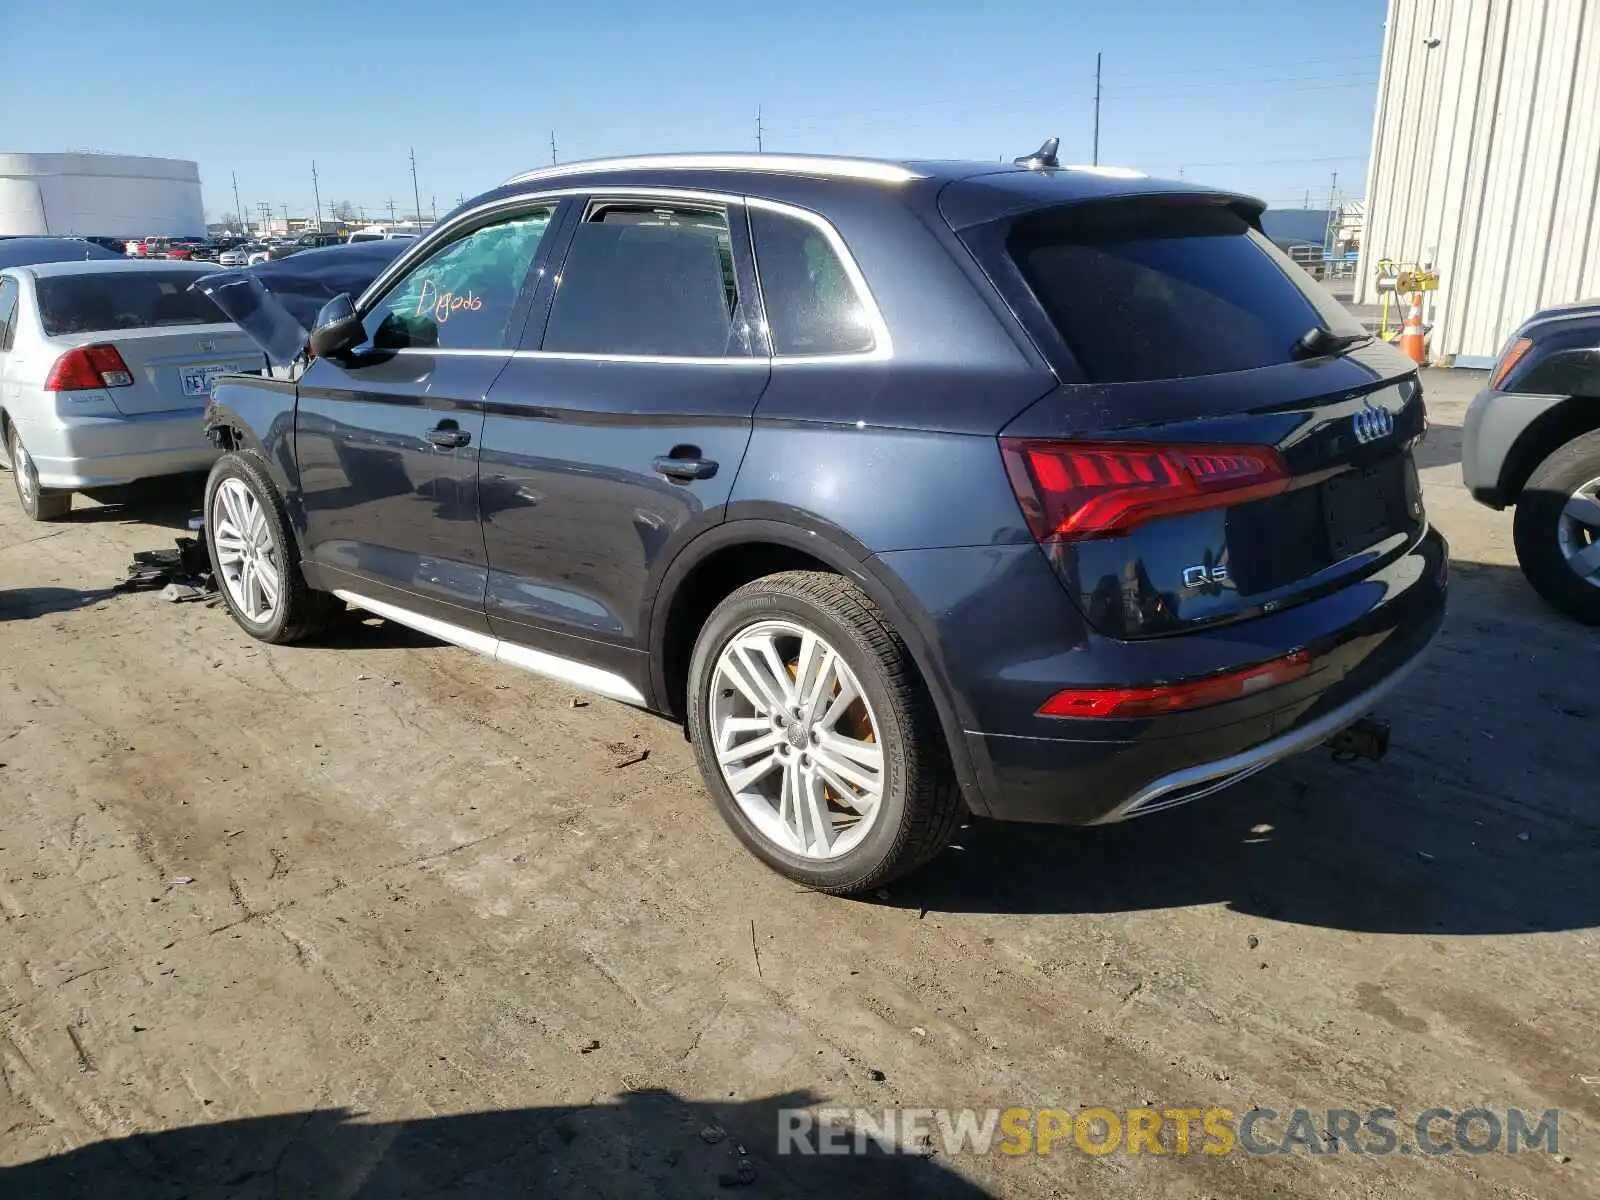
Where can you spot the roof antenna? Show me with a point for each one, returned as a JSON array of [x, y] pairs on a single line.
[[1042, 159]]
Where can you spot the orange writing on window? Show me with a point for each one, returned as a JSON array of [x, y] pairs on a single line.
[[443, 303]]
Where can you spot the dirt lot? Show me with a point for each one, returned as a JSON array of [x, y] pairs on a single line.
[[376, 917]]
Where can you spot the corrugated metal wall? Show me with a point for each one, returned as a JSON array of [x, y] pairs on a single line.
[[1486, 161]]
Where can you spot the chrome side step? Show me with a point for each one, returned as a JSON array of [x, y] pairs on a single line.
[[552, 666]]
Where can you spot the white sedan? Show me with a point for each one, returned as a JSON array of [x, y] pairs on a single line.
[[105, 368]]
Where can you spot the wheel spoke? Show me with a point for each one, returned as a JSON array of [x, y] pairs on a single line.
[[1586, 561], [267, 578], [815, 805], [741, 781], [756, 664], [840, 767], [863, 754], [228, 540], [812, 671], [848, 695], [247, 600], [230, 501], [1583, 509], [746, 750]]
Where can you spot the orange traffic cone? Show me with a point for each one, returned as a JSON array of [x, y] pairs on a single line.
[[1411, 344]]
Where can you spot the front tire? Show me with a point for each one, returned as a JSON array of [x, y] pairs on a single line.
[[38, 504], [816, 737], [1557, 529], [254, 559]]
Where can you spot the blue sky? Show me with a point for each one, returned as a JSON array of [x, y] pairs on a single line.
[[1269, 97]]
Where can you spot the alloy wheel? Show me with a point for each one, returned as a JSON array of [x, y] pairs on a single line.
[[27, 475], [246, 556], [1578, 532], [796, 740]]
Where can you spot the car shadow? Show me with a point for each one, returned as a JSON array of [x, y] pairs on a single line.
[[1441, 448], [645, 1143], [20, 604], [1482, 820], [168, 502], [362, 631]]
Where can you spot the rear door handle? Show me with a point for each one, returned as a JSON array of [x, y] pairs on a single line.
[[685, 469], [449, 439]]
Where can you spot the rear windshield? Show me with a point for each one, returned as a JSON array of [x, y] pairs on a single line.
[[122, 300], [1143, 292]]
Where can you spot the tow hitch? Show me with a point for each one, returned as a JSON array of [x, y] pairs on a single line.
[[1367, 738]]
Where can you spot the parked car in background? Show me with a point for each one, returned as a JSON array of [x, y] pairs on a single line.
[[305, 241], [379, 233], [104, 370], [1531, 439], [238, 255], [909, 488], [25, 251]]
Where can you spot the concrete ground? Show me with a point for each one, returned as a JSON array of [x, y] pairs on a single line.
[[377, 918]]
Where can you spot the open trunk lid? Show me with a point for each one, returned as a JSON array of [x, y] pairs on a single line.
[[1227, 441], [276, 303]]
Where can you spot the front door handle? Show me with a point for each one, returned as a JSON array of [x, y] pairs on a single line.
[[449, 439], [685, 469]]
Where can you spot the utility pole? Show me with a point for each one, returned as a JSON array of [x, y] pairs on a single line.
[[552, 147], [760, 132], [433, 202], [416, 195], [1097, 58], [1333, 193], [238, 209], [286, 220], [316, 194], [391, 210]]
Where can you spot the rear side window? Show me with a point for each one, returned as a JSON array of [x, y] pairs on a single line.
[[648, 280], [122, 300], [8, 312], [812, 307], [1141, 292]]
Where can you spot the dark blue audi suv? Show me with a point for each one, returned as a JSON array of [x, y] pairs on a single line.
[[912, 490]]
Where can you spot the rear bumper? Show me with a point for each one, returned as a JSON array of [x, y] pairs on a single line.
[[1012, 648], [89, 452], [1191, 783], [1494, 422]]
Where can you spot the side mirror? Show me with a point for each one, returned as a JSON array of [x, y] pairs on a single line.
[[337, 329]]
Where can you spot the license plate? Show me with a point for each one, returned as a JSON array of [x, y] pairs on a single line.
[[1360, 508], [197, 381]]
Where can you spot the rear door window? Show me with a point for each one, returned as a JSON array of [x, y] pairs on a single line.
[[112, 300], [812, 306], [1150, 291], [649, 280]]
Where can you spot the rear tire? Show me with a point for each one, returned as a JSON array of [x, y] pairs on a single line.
[[245, 514], [38, 504], [1547, 533], [918, 804]]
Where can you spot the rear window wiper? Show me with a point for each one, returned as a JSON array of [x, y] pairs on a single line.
[[1317, 341]]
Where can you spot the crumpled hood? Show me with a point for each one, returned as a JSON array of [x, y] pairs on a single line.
[[276, 303]]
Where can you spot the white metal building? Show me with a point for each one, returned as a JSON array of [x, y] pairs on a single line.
[[1486, 162], [107, 195]]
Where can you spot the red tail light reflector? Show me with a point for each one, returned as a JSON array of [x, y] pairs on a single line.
[[1073, 490], [82, 367], [1156, 699]]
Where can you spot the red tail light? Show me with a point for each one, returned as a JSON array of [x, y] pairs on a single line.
[[1072, 490], [83, 367], [1156, 699]]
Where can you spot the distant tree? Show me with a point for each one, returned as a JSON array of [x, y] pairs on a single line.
[[343, 210]]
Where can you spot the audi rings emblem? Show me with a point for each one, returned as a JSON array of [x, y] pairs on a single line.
[[1373, 423]]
